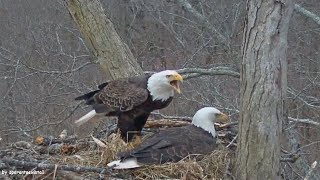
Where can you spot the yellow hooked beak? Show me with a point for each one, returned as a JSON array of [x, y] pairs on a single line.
[[175, 80], [222, 118]]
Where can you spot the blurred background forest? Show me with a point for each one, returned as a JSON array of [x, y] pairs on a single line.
[[45, 63]]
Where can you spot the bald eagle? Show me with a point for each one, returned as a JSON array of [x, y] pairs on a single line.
[[132, 99], [173, 144]]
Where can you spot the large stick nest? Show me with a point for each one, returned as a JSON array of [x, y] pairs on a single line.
[[95, 154], [211, 166]]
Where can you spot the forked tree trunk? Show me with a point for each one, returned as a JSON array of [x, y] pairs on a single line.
[[263, 89], [112, 53]]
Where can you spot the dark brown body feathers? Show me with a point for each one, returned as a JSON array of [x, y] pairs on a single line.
[[172, 145], [127, 98]]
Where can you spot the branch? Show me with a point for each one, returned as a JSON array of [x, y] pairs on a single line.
[[189, 73], [58, 72], [203, 20], [161, 123], [313, 165], [301, 162], [43, 140], [9, 162], [307, 100], [10, 131], [307, 121], [288, 159], [195, 72], [232, 142], [228, 124], [162, 116], [307, 13], [177, 121]]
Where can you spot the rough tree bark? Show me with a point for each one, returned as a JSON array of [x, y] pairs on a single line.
[[263, 89], [112, 53]]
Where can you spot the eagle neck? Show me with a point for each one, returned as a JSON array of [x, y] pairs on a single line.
[[158, 89], [205, 125]]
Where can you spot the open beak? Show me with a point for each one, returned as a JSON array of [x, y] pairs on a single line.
[[222, 118], [175, 81]]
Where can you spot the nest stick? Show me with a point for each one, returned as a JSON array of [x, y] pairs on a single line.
[[40, 166]]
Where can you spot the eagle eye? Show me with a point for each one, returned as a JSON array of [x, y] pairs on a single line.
[[168, 76]]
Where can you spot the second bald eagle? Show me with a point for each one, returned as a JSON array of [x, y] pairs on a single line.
[[132, 99], [174, 144]]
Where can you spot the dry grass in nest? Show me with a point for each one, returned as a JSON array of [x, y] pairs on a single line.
[[98, 156], [186, 168], [215, 164], [212, 166], [89, 157]]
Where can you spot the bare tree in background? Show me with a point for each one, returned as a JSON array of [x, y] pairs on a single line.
[[112, 53], [45, 63], [263, 89]]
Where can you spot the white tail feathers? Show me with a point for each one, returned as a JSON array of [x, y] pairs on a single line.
[[125, 164], [85, 118]]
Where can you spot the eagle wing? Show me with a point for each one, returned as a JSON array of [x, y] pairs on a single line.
[[120, 95], [172, 145]]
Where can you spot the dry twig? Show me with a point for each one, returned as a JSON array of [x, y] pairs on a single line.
[[307, 13], [9, 162], [313, 165]]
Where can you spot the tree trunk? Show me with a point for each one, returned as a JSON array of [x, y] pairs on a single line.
[[113, 54], [263, 89]]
